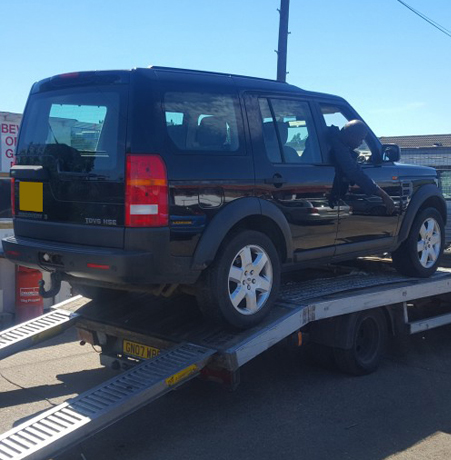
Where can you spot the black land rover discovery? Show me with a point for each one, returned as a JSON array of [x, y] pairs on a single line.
[[151, 178]]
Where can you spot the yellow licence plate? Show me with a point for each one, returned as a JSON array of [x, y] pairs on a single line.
[[138, 350], [31, 196]]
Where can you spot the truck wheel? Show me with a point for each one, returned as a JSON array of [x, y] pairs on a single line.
[[241, 285], [367, 331], [420, 254]]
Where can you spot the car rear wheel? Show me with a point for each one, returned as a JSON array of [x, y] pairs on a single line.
[[241, 285], [420, 254]]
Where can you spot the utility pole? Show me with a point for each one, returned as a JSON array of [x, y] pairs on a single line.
[[283, 39]]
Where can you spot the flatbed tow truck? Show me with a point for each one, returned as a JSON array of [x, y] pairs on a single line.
[[160, 344]]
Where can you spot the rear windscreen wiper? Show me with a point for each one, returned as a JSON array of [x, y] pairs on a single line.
[[53, 134]]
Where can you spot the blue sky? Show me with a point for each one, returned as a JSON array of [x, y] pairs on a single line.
[[393, 67]]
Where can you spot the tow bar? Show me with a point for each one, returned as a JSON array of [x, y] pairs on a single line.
[[55, 278]]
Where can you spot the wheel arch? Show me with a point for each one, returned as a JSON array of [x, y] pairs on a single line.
[[428, 196], [246, 213]]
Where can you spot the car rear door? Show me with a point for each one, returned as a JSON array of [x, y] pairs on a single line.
[[290, 172]]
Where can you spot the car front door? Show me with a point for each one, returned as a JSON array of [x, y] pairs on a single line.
[[364, 225], [290, 172]]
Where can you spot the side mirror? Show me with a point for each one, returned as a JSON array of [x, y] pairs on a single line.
[[391, 152]]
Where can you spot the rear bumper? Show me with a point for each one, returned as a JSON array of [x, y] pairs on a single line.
[[104, 265]]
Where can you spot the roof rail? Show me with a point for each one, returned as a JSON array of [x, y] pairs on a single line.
[[207, 72]]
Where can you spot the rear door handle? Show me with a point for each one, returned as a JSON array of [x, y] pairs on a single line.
[[276, 180]]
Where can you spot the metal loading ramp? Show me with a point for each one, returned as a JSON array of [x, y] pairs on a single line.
[[27, 334], [44, 327], [77, 419]]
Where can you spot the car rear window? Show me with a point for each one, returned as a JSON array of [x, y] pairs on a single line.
[[76, 131], [203, 122]]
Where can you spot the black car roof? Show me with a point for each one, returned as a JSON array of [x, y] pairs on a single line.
[[242, 82]]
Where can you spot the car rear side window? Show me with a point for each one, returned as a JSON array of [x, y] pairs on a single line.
[[73, 131], [288, 131], [203, 122]]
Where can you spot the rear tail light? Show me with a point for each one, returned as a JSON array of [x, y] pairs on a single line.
[[146, 191], [13, 201], [98, 266]]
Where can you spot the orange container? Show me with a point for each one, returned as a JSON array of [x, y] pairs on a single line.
[[29, 304]]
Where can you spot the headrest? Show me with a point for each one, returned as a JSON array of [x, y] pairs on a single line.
[[212, 131]]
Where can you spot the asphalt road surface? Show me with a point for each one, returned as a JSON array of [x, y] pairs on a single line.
[[287, 406]]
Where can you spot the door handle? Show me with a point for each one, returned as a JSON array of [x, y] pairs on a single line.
[[276, 180]]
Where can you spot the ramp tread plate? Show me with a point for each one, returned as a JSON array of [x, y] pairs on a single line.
[[78, 418], [302, 292], [26, 334]]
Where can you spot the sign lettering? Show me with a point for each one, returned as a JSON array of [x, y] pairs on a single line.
[[8, 143]]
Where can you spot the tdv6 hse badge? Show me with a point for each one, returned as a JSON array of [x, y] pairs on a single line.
[[97, 221]]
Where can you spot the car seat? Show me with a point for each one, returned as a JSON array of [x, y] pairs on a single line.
[[212, 133]]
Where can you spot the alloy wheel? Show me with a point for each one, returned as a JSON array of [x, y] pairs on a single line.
[[250, 279], [429, 242]]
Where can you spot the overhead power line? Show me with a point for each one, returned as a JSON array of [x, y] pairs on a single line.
[[428, 20]]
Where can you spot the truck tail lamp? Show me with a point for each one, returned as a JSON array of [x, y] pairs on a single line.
[[146, 191]]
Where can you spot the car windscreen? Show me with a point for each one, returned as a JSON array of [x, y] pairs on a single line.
[[75, 131]]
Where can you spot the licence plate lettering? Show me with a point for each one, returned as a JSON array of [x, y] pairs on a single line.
[[139, 350]]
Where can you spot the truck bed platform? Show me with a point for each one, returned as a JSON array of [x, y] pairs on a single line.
[[161, 323], [188, 345]]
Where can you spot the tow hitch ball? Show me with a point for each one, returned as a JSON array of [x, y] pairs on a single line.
[[55, 278]]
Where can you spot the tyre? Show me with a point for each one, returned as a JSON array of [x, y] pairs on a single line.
[[241, 285], [368, 335], [420, 254]]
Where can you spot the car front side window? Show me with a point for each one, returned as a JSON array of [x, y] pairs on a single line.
[[337, 116]]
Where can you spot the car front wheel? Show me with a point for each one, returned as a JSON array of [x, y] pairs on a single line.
[[420, 254], [241, 285]]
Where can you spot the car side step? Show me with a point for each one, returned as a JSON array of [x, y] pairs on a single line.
[[75, 420], [37, 330]]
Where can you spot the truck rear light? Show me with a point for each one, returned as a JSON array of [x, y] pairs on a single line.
[[146, 191]]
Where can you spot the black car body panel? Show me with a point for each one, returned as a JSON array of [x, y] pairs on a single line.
[[238, 152]]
